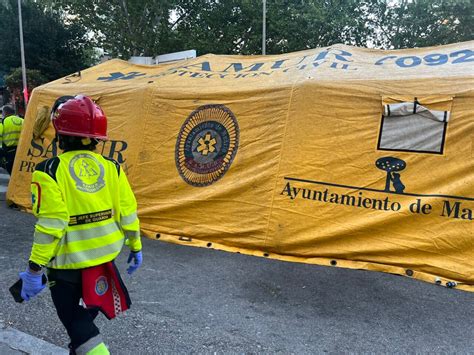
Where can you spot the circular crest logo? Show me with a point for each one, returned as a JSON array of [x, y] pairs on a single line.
[[206, 145], [101, 285], [87, 172]]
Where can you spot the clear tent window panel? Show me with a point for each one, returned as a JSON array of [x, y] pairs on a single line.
[[411, 127]]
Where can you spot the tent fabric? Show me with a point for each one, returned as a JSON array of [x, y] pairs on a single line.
[[280, 156]]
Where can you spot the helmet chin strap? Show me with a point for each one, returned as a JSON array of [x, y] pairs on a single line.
[[60, 141]]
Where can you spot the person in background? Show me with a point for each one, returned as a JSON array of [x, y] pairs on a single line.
[[12, 126], [2, 159], [85, 209]]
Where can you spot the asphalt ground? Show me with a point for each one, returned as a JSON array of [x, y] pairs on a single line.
[[190, 300]]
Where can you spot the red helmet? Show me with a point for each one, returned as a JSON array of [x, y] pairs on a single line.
[[80, 117]]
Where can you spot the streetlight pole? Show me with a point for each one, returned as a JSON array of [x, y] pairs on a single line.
[[22, 50], [264, 27]]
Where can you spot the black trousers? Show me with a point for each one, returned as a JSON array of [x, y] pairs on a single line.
[[9, 154], [66, 290]]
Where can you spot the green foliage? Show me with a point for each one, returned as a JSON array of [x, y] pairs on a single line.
[[149, 27], [51, 46], [34, 78], [421, 23], [234, 26], [123, 28], [226, 27], [297, 25]]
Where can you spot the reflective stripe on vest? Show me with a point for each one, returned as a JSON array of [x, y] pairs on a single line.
[[125, 220], [77, 245], [132, 234], [11, 130], [54, 223], [42, 238], [75, 259], [11, 138], [94, 232]]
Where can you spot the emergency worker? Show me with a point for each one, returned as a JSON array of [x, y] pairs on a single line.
[[12, 126], [2, 163], [85, 209]]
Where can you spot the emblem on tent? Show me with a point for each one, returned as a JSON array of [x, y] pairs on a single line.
[[206, 145], [391, 166]]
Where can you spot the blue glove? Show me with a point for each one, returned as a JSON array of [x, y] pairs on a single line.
[[32, 284], [137, 258]]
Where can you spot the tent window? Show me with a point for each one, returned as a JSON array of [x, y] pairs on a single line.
[[411, 127]]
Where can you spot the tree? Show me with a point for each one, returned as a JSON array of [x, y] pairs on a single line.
[[14, 83], [298, 25], [123, 28], [14, 80], [221, 27], [420, 23], [235, 26], [149, 27], [51, 46]]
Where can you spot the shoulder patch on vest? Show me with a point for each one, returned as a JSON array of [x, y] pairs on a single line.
[[49, 166], [117, 165]]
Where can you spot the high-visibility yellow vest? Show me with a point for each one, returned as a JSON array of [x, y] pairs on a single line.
[[1, 134], [11, 130], [85, 208]]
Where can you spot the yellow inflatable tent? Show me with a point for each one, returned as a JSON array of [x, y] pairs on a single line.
[[338, 156]]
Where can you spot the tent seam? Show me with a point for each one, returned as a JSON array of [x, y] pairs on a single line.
[[279, 162], [146, 111]]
